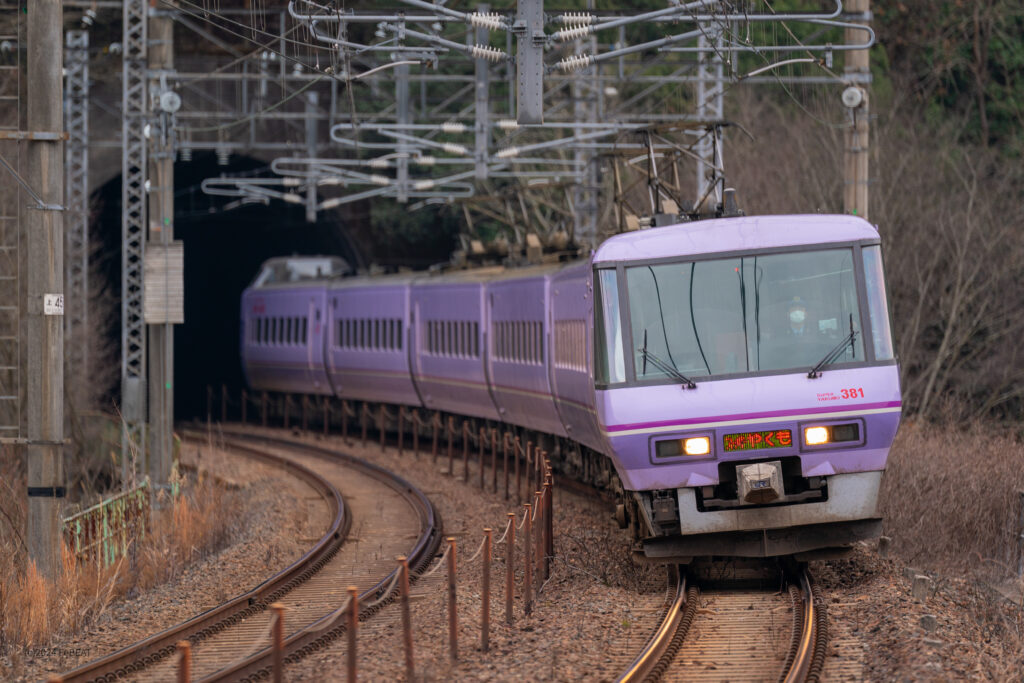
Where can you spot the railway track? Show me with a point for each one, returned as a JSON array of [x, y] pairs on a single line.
[[375, 515], [737, 634]]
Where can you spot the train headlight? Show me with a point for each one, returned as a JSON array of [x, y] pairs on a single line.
[[698, 445], [815, 436]]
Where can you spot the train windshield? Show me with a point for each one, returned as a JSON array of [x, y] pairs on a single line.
[[743, 314]]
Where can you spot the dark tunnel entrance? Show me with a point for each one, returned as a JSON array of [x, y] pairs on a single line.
[[223, 252]]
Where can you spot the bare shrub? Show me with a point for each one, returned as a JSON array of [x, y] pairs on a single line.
[[199, 521], [949, 498]]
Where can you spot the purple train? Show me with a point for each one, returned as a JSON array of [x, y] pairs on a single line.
[[737, 375]]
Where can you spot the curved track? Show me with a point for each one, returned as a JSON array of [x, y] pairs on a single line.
[[736, 635], [374, 514]]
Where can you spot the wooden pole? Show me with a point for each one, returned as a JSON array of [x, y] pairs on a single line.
[[549, 525], [494, 460]]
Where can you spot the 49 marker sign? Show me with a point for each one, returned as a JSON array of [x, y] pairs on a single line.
[[752, 441]]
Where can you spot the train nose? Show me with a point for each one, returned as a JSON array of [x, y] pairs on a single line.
[[760, 482]]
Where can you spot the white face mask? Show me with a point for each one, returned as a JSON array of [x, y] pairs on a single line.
[[796, 317]]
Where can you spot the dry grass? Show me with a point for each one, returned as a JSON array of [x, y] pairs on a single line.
[[950, 498], [199, 521]]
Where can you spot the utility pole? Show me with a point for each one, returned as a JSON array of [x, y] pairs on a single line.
[[857, 71], [44, 228], [159, 258]]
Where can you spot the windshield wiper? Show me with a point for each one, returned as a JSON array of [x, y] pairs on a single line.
[[832, 355], [661, 365]]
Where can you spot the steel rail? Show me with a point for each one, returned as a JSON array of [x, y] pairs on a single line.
[[807, 651], [137, 656], [801, 667], [658, 650], [316, 635]]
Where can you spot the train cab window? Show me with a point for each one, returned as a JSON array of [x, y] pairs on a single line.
[[743, 314], [878, 308], [609, 357]]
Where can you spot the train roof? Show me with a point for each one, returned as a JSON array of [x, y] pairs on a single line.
[[745, 233]]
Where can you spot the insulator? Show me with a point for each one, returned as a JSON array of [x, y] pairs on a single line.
[[425, 161], [423, 184], [379, 163], [508, 152], [577, 18], [185, 154], [293, 198], [223, 156], [574, 33], [575, 63], [491, 54], [508, 124], [452, 148], [453, 127], [490, 21], [380, 179]]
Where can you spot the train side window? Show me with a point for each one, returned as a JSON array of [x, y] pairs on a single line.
[[878, 309], [476, 340], [609, 358], [400, 332], [305, 330]]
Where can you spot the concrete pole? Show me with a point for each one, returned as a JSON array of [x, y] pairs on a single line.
[[44, 229], [161, 232], [857, 135]]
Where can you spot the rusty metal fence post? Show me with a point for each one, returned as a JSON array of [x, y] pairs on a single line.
[[453, 617], [435, 422], [278, 609], [465, 450], [451, 455], [494, 460], [510, 568], [416, 424], [362, 422], [549, 525], [485, 608], [504, 460], [515, 457], [401, 428], [353, 625], [538, 556], [481, 444], [528, 560], [403, 584], [184, 661]]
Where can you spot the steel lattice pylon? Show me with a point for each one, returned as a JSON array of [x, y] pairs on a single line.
[[133, 229], [76, 217]]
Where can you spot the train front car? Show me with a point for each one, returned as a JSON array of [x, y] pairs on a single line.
[[747, 383]]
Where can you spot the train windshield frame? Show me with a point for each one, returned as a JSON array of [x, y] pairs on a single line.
[[717, 316]]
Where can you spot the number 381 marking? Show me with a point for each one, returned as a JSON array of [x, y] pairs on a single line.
[[852, 393]]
